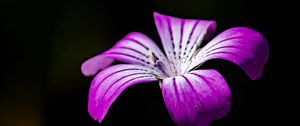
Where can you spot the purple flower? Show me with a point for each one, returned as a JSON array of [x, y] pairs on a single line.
[[193, 97]]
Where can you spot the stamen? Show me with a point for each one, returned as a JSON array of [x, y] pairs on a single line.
[[196, 52], [164, 69], [151, 57]]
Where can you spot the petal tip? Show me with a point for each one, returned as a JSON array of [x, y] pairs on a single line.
[[210, 30], [243, 46], [84, 69], [91, 66], [94, 110]]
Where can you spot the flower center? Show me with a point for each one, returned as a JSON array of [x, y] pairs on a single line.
[[164, 68], [173, 68]]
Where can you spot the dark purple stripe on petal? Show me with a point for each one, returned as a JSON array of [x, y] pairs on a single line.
[[235, 61], [181, 35], [198, 37], [109, 83], [132, 49], [189, 39], [138, 42], [242, 46], [200, 97], [206, 81], [226, 47], [171, 36], [222, 41], [121, 79], [176, 89], [170, 30], [192, 87], [223, 52], [118, 53], [113, 73], [190, 84], [139, 77], [192, 32]]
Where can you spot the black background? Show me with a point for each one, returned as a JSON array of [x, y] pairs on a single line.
[[43, 44]]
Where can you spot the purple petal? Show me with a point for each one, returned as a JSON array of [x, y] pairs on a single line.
[[242, 46], [109, 83], [180, 37], [93, 65], [135, 48], [196, 98]]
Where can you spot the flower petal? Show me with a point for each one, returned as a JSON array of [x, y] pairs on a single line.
[[180, 37], [109, 83], [196, 98], [242, 46], [93, 65], [135, 48]]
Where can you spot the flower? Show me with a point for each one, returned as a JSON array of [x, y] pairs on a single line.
[[193, 97]]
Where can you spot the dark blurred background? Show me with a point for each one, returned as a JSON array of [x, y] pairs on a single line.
[[43, 44]]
